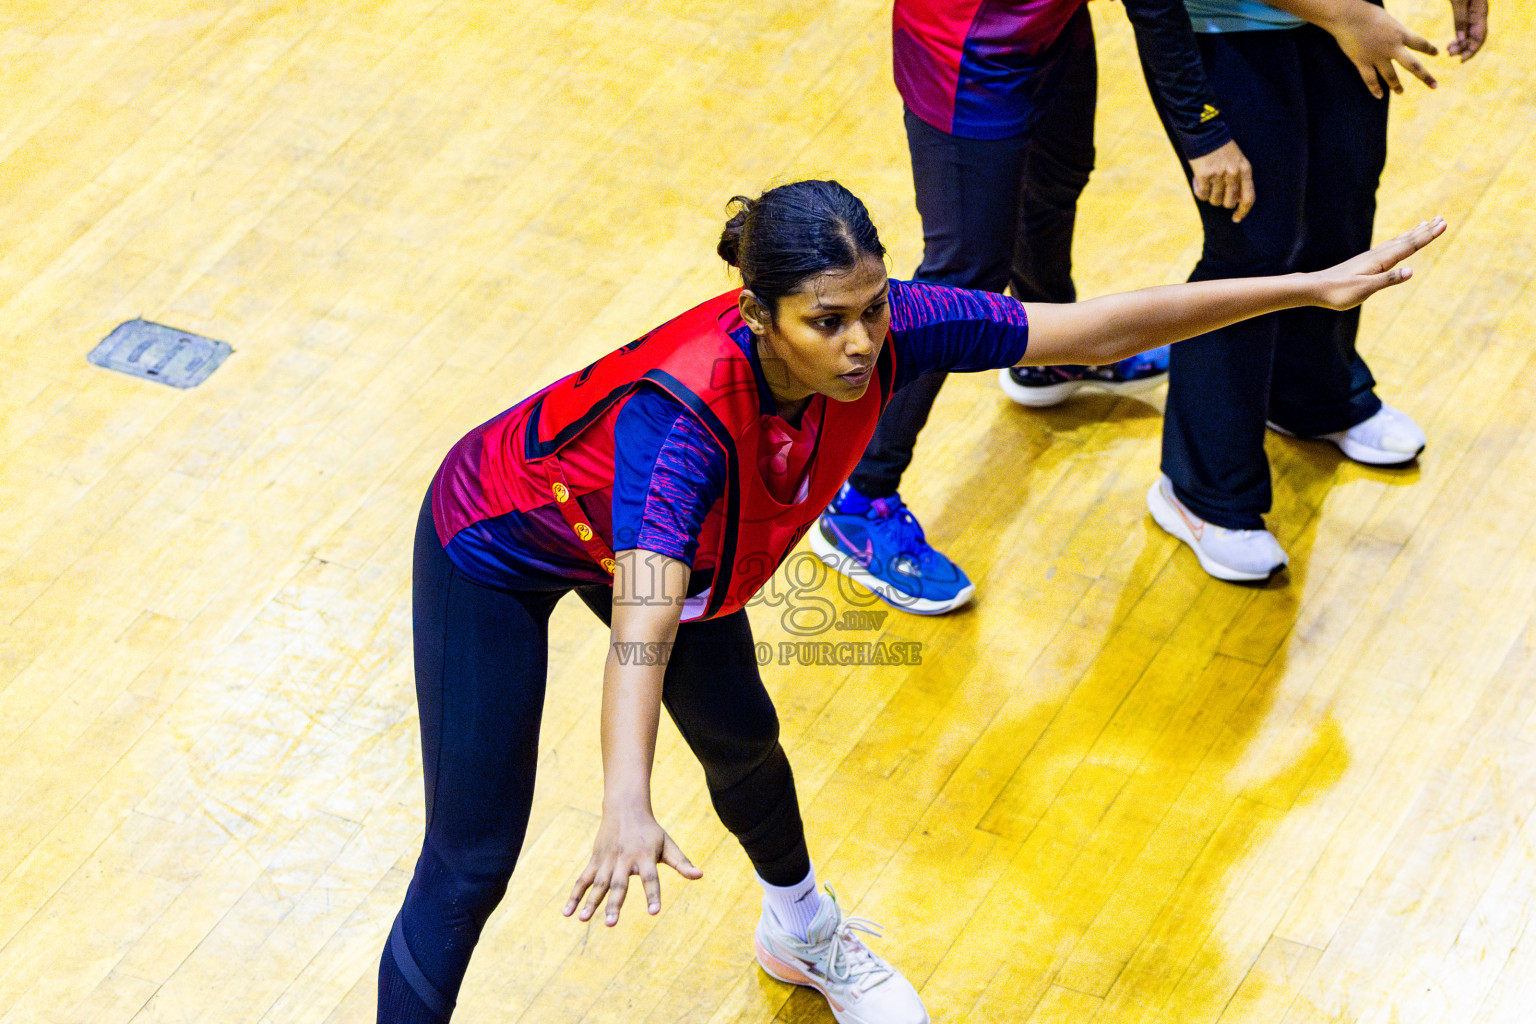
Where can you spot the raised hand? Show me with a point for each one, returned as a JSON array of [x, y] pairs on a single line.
[[629, 842], [1352, 282]]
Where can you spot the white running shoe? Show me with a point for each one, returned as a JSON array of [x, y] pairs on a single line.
[[860, 987], [1040, 387], [1239, 556], [1389, 438]]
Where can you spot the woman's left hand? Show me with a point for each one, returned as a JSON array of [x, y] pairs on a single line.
[[1224, 177], [1352, 282], [1375, 41]]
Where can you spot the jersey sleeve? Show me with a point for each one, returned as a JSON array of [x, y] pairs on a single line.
[[939, 328], [1170, 59], [667, 473]]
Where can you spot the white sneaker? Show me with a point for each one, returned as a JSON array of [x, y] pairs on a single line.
[[860, 987], [1040, 387], [1389, 438], [1235, 555]]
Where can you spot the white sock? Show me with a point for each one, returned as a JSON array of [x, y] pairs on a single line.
[[793, 906]]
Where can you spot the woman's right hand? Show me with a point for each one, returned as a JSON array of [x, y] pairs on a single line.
[[629, 842], [1352, 282]]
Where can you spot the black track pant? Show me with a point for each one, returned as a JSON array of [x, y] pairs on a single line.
[[1317, 140], [997, 213], [481, 659]]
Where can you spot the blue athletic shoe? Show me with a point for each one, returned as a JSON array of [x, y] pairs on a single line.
[[1042, 386], [879, 544]]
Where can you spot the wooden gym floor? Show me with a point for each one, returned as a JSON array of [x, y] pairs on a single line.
[[1114, 790]]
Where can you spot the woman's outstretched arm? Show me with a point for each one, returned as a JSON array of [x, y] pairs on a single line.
[[1105, 330], [648, 591]]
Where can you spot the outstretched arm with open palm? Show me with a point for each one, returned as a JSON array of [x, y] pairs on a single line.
[[1103, 330]]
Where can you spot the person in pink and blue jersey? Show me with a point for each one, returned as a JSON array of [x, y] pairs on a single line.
[[1000, 99]]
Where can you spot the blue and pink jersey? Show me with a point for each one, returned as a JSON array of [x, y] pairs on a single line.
[[979, 68], [669, 474], [984, 69]]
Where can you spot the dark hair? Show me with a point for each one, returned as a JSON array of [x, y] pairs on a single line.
[[793, 232]]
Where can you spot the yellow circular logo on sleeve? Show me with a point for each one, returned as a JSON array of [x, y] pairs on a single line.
[[561, 494], [609, 565], [583, 531]]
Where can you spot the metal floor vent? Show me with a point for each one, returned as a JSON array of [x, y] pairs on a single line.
[[156, 352]]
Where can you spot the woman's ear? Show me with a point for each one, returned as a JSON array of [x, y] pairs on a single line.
[[754, 312]]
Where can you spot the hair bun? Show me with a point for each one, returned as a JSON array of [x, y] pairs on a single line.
[[730, 238], [794, 232]]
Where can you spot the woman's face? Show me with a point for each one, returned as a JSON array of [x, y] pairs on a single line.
[[826, 336]]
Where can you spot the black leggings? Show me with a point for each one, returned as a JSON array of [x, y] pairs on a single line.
[[481, 660]]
